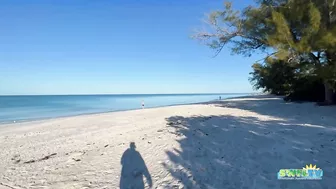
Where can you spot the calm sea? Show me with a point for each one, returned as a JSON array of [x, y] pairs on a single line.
[[26, 108]]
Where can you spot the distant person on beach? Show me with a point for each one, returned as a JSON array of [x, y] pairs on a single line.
[[143, 104], [220, 98]]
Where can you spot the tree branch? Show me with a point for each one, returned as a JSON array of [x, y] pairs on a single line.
[[267, 56]]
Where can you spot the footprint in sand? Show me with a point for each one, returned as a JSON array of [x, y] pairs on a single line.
[[16, 159], [75, 156]]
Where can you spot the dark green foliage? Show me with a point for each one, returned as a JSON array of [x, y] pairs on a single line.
[[296, 81], [273, 77], [307, 90]]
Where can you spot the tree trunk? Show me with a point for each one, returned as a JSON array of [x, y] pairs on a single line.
[[328, 94]]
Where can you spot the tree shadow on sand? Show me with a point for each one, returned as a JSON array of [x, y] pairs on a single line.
[[270, 105], [133, 170], [247, 152]]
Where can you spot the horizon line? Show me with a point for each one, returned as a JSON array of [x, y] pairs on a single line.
[[128, 94]]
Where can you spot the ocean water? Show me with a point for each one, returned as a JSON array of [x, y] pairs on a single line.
[[26, 108]]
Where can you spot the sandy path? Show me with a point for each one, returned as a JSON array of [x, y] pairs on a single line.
[[236, 143]]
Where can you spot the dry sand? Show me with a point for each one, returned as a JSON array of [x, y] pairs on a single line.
[[235, 143]]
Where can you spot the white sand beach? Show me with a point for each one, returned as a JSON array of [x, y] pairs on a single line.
[[234, 143]]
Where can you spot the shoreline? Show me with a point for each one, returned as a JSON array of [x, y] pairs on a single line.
[[89, 114], [43, 120], [2, 124]]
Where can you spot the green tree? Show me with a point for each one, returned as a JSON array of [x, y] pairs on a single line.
[[291, 29], [308, 27]]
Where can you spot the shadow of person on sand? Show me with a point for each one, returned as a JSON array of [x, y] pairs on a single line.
[[133, 170]]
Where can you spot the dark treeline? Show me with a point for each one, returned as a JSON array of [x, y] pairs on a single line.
[[296, 80]]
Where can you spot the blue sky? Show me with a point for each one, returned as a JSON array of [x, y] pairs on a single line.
[[113, 47]]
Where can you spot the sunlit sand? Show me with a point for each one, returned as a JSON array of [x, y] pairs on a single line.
[[235, 143]]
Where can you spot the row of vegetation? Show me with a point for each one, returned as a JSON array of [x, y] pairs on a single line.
[[298, 36]]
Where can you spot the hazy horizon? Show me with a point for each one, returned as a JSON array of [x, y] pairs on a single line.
[[216, 93]]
